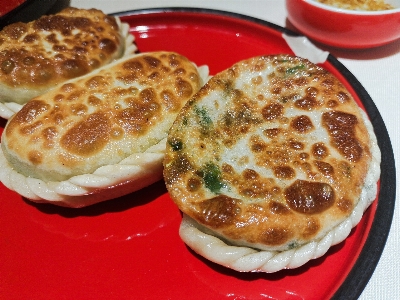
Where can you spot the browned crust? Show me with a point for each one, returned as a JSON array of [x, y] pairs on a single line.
[[100, 118], [284, 188], [58, 47]]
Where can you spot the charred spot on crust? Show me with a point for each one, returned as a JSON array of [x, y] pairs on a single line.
[[272, 111], [319, 150], [88, 136], [302, 124], [275, 236], [176, 168], [152, 62], [29, 112], [257, 145], [61, 23], [193, 184], [306, 103], [218, 212], [249, 174], [107, 45], [341, 128], [96, 82], [284, 172], [324, 168], [15, 30], [170, 100], [343, 97], [73, 67], [296, 145], [308, 197], [183, 88], [137, 117], [35, 157], [271, 132], [278, 208], [133, 65]]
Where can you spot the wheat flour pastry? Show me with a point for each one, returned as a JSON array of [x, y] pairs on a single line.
[[271, 163], [98, 136], [40, 55]]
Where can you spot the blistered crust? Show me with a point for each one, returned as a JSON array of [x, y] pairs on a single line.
[[141, 121], [101, 118], [38, 56], [271, 153], [246, 259]]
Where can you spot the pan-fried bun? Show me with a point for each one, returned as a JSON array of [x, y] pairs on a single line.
[[272, 155], [40, 55], [99, 135]]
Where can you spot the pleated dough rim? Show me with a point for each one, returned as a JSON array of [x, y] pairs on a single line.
[[107, 182], [111, 181], [246, 259]]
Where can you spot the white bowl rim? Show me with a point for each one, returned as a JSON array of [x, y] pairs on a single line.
[[351, 12]]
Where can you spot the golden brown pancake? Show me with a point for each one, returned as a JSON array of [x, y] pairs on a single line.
[[271, 154], [40, 55], [99, 130]]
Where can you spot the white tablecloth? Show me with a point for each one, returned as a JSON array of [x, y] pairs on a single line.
[[378, 70]]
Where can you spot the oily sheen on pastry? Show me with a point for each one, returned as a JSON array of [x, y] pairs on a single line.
[[107, 129], [40, 55], [271, 163]]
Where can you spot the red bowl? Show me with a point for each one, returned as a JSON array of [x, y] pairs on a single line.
[[345, 28]]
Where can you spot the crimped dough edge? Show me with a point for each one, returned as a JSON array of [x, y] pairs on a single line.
[[107, 182], [246, 259], [8, 109]]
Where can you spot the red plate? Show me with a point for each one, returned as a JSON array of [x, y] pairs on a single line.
[[12, 11], [129, 248]]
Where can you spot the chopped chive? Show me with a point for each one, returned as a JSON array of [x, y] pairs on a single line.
[[176, 145], [290, 71], [204, 119], [212, 177]]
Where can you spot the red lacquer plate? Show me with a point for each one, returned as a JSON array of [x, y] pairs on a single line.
[[12, 11], [129, 248]]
